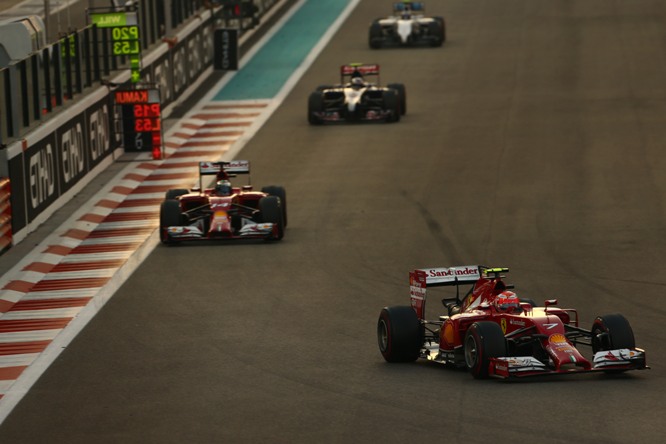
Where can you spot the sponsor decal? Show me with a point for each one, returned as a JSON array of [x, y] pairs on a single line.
[[557, 339], [215, 206], [42, 175], [503, 325], [72, 153], [517, 322], [99, 133]]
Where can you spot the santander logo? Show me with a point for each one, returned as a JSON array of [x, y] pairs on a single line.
[[453, 271]]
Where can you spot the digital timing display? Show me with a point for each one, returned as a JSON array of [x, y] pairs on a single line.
[[126, 40], [141, 113]]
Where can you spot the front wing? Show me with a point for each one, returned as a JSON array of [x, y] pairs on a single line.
[[367, 116], [604, 361], [264, 230]]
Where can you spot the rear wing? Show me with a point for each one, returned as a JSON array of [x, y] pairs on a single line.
[[233, 167], [423, 278], [407, 6], [223, 170], [352, 69]]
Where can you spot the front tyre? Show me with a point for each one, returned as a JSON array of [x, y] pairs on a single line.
[[399, 334], [402, 96], [612, 332], [484, 340], [170, 216], [271, 211], [315, 105], [392, 104], [280, 192]]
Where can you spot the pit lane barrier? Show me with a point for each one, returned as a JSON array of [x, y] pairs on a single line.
[[55, 161]]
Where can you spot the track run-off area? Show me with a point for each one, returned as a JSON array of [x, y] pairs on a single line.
[[533, 140]]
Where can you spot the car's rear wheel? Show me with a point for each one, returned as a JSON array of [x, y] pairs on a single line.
[[280, 192], [483, 340], [402, 96], [375, 35], [271, 211], [441, 31], [399, 334], [612, 332], [315, 105], [170, 216], [176, 192]]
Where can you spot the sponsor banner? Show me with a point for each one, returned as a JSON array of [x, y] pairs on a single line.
[[50, 165], [41, 176], [226, 49]]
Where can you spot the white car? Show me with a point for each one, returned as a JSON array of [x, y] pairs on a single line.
[[407, 26], [355, 99]]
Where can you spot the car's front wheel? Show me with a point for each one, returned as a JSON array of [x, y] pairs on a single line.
[[484, 340], [392, 103], [170, 216], [315, 105], [280, 192], [271, 211], [612, 332]]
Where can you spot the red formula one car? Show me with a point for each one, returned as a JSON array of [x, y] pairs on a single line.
[[493, 333], [225, 211]]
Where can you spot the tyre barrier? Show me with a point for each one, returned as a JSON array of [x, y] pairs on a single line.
[[5, 215]]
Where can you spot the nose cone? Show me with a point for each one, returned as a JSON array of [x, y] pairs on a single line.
[[220, 225]]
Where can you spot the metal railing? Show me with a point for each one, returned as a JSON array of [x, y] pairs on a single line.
[[34, 88]]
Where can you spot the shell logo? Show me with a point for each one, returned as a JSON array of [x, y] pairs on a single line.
[[557, 338], [449, 335]]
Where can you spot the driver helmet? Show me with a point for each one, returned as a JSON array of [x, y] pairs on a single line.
[[507, 301], [357, 81], [223, 188]]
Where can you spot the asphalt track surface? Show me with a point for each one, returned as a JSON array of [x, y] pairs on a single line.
[[533, 140]]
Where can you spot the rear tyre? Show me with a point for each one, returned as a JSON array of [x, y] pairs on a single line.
[[315, 105], [392, 103], [177, 192], [282, 194], [440, 31], [399, 334], [271, 211], [612, 332], [170, 216], [402, 96], [484, 340], [375, 35]]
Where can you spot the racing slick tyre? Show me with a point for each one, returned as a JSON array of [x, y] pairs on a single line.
[[321, 88], [439, 30], [315, 104], [375, 35], [399, 334], [402, 96], [172, 194], [282, 194], [484, 340], [392, 103], [170, 216], [528, 301], [612, 332], [271, 211]]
